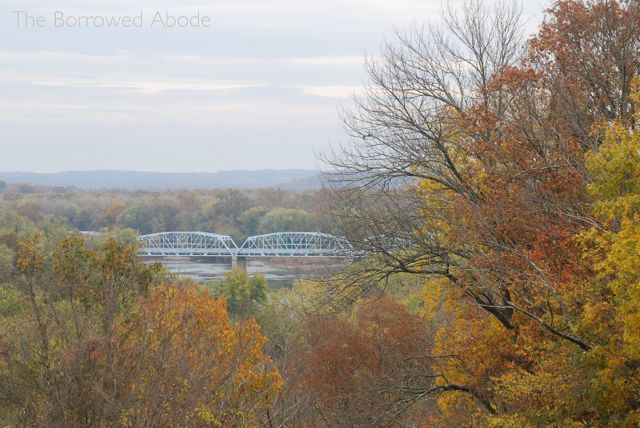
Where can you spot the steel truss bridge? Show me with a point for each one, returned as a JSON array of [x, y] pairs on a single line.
[[282, 244]]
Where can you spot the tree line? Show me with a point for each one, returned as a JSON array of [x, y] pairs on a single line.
[[238, 213]]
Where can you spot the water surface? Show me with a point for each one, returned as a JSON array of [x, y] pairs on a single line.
[[279, 272]]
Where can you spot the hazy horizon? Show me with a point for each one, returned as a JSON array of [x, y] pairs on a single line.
[[290, 179], [161, 171]]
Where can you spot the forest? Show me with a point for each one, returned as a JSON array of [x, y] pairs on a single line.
[[237, 213], [490, 177]]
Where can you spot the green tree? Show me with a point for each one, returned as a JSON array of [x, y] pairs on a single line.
[[136, 217], [6, 263], [286, 220], [251, 219], [244, 294]]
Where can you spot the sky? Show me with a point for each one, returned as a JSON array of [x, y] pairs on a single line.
[[245, 84]]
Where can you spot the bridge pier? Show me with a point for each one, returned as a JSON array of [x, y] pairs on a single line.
[[239, 262]]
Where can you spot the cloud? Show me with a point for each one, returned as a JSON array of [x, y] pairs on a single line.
[[344, 91], [148, 86], [339, 61]]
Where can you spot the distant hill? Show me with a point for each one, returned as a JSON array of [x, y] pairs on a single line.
[[294, 179]]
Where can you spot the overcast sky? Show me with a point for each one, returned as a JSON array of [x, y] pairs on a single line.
[[257, 89]]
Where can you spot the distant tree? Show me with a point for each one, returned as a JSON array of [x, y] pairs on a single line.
[[108, 216], [275, 198], [3, 185], [6, 263], [10, 193], [30, 209], [136, 217], [231, 204], [123, 236], [25, 188], [244, 294], [286, 220], [251, 219], [85, 219]]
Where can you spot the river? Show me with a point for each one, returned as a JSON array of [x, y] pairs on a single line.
[[279, 272]]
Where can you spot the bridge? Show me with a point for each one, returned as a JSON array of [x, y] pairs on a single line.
[[188, 244], [296, 244], [282, 244]]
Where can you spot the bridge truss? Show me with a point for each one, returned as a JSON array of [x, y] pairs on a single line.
[[187, 244], [282, 244], [296, 244]]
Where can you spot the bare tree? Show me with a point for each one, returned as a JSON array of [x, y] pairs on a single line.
[[405, 129], [404, 126]]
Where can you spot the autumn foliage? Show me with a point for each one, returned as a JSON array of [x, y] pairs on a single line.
[[182, 362], [96, 339], [502, 177], [521, 209], [552, 234]]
